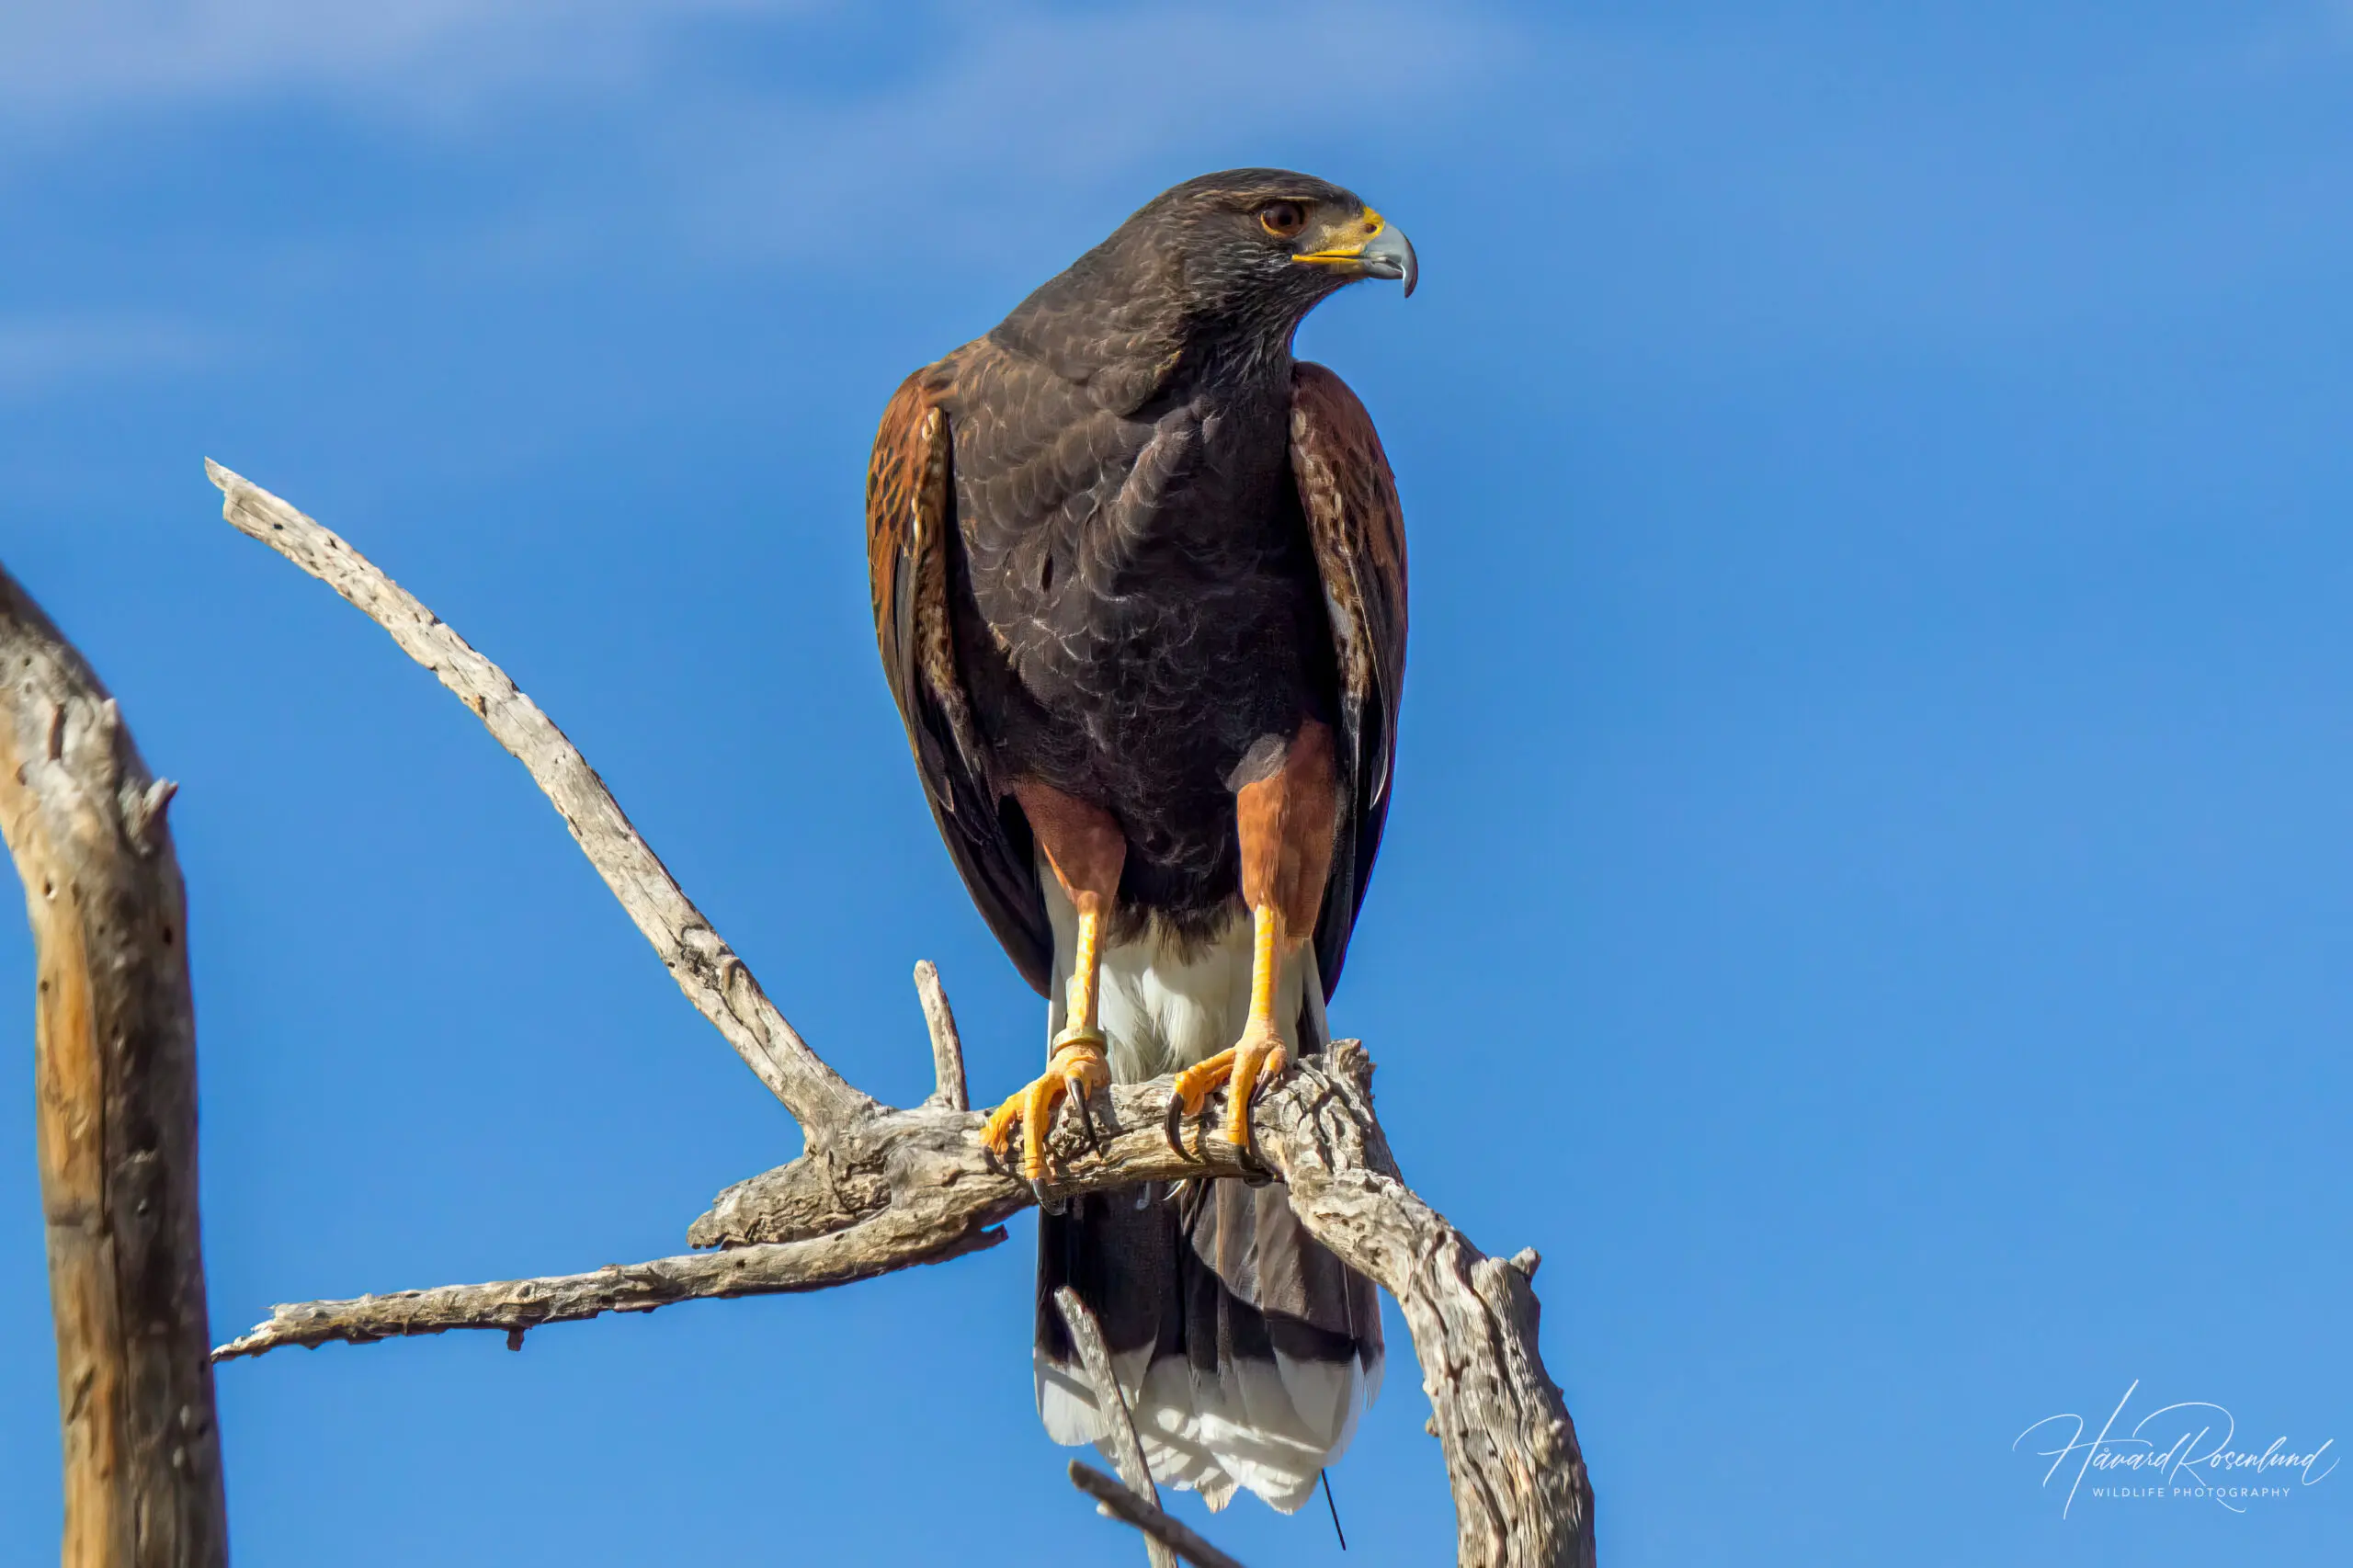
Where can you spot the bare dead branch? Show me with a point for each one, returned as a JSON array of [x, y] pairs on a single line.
[[1127, 1452], [947, 1045], [879, 1246], [114, 1071], [1171, 1535], [705, 967], [881, 1188], [1522, 1494]]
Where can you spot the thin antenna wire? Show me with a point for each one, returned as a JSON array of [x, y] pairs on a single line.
[[1327, 1476]]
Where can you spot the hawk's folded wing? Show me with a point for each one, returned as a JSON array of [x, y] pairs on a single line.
[[910, 531], [1358, 530]]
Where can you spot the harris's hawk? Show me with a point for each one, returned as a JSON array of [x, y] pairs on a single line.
[[1138, 581]]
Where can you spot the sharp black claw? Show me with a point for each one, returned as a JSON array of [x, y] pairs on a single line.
[[1046, 1200], [1087, 1121], [1256, 1172], [1174, 1126]]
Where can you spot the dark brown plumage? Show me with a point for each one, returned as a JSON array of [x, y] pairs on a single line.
[[1126, 554]]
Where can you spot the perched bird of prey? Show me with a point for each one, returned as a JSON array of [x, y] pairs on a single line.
[[1138, 581]]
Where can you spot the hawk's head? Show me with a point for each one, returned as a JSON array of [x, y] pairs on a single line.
[[1284, 236], [1234, 259]]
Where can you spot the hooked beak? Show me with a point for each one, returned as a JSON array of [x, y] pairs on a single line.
[[1377, 249]]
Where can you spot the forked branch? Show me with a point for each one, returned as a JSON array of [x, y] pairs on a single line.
[[880, 1189]]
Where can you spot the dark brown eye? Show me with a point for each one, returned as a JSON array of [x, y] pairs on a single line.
[[1282, 218]]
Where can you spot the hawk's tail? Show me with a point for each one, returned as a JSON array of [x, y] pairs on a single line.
[[1244, 1349]]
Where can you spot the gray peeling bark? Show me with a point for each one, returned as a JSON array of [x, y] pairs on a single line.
[[881, 1187], [114, 1068]]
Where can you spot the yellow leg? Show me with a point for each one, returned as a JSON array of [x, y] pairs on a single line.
[[1265, 945], [1257, 1058], [1086, 977], [1075, 1065]]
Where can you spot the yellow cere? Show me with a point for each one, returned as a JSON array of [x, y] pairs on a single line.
[[1373, 223]]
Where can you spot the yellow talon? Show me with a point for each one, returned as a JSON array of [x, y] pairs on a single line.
[[1077, 1070], [1254, 1063], [1258, 1057], [1259, 1060]]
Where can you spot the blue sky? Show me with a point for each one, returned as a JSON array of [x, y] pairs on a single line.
[[1871, 893]]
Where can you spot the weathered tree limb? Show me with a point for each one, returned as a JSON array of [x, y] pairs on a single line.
[[705, 967], [114, 1070], [881, 1246], [1127, 1450], [947, 1045], [1169, 1534], [881, 1188]]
